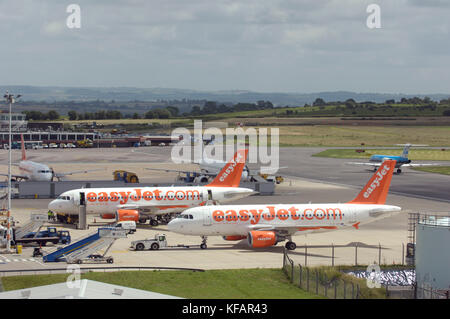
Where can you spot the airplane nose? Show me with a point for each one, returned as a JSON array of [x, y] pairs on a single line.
[[53, 205]]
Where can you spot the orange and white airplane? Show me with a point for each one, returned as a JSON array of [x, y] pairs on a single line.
[[143, 203], [266, 225], [32, 171]]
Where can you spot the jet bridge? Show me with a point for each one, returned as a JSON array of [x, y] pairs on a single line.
[[87, 246]]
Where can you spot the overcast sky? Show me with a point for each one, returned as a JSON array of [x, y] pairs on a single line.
[[260, 45]]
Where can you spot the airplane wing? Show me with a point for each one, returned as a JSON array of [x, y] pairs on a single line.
[[418, 165], [179, 171], [61, 175], [292, 229], [16, 176], [365, 164], [154, 209]]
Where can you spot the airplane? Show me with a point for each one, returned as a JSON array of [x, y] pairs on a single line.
[[403, 160], [266, 225], [32, 171], [208, 168], [145, 203]]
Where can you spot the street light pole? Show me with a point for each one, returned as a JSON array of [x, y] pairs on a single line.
[[9, 99]]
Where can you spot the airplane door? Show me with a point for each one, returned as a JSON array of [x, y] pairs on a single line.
[[207, 220]]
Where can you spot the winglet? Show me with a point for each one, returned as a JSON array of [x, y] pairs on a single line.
[[231, 173], [376, 190], [24, 156]]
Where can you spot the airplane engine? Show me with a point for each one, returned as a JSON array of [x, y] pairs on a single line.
[[201, 179], [108, 216], [127, 214], [233, 237], [258, 239]]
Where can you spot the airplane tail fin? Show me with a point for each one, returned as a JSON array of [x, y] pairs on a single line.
[[406, 150], [376, 190], [231, 173], [24, 156]]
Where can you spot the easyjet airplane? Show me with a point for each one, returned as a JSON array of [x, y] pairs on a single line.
[[266, 225], [32, 171], [142, 203]]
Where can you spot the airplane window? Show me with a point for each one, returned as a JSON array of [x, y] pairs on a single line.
[[191, 217]]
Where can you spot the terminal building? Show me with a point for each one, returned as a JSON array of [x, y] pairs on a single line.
[[53, 132]]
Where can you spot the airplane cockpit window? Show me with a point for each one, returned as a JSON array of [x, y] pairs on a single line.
[[64, 197], [191, 217]]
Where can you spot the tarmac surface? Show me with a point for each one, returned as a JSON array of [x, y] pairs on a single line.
[[308, 179]]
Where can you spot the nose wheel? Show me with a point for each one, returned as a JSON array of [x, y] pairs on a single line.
[[203, 244]]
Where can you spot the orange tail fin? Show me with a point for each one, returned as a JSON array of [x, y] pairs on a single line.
[[376, 190], [231, 173], [24, 156]]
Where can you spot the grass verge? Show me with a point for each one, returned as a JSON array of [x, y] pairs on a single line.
[[414, 154], [211, 284], [445, 170]]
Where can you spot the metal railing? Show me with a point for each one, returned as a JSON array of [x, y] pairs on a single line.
[[49, 271], [317, 282]]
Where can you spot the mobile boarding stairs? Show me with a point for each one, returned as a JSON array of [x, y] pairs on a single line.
[[85, 248]]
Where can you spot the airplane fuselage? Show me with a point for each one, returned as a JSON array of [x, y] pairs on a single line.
[[35, 171], [238, 220], [400, 160], [161, 199]]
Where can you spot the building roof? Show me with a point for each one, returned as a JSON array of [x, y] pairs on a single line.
[[83, 289]]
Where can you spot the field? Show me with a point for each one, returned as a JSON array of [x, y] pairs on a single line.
[[211, 284], [414, 154], [445, 170]]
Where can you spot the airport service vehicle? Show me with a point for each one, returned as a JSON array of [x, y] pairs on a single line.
[[145, 203], [86, 249], [50, 235], [128, 225], [376, 160], [159, 242], [32, 171], [127, 177], [266, 225], [70, 145], [53, 145]]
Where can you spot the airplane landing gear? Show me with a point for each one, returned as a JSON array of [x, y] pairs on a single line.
[[290, 245], [153, 222], [399, 170], [203, 244]]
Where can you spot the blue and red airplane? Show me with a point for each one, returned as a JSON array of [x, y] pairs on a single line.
[[376, 160]]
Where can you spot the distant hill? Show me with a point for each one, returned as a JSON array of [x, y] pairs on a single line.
[[118, 94]]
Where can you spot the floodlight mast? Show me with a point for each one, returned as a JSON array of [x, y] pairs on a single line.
[[10, 99]]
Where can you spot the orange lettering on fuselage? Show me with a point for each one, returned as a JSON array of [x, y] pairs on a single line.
[[282, 214]]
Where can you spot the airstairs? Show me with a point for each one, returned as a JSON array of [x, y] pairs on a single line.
[[35, 223], [87, 246]]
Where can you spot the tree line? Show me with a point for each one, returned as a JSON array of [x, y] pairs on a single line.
[[211, 107]]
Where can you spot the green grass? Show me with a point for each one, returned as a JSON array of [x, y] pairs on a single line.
[[211, 284], [414, 154], [435, 169]]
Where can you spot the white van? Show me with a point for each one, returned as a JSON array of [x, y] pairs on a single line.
[[128, 225]]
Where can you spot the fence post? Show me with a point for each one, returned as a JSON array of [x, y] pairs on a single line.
[[379, 254], [326, 286], [292, 270], [356, 254], [306, 255], [300, 280], [345, 287], [332, 255], [284, 257], [307, 279], [353, 290], [317, 282], [335, 289], [403, 254]]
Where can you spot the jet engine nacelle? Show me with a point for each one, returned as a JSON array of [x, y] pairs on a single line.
[[201, 179], [258, 238], [234, 237], [127, 214], [108, 216]]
